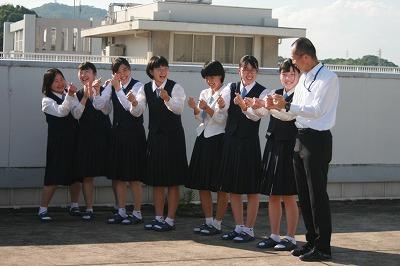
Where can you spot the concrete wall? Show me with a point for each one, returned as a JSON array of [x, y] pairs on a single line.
[[366, 161]]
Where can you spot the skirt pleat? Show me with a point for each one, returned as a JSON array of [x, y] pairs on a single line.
[[166, 161], [205, 163], [277, 168], [240, 170]]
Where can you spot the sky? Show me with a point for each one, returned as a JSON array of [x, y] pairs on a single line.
[[338, 28]]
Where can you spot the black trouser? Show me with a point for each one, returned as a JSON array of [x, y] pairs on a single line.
[[312, 154]]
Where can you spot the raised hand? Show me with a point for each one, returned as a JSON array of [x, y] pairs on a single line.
[[96, 86], [71, 89], [258, 103], [131, 97], [278, 101], [248, 101], [220, 102], [203, 105], [164, 95], [192, 103], [115, 82]]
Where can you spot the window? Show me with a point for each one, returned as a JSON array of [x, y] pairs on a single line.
[[18, 40], [198, 48], [74, 39], [53, 39]]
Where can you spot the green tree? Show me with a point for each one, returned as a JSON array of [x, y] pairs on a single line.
[[366, 60], [9, 13]]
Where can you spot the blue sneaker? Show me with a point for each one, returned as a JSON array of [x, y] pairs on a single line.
[[44, 217], [74, 211], [163, 227]]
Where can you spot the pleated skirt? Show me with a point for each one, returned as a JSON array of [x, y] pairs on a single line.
[[277, 168], [127, 158], [240, 170], [93, 152], [205, 163], [166, 161], [60, 161]]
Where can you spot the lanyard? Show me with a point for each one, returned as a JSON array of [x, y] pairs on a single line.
[[315, 77]]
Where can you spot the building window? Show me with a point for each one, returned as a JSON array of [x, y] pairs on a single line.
[[53, 37], [196, 48], [18, 40], [75, 39]]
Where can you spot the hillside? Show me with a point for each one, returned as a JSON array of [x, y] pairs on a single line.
[[55, 10]]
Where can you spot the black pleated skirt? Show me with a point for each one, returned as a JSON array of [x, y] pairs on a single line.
[[60, 161], [166, 158], [93, 152], [277, 168], [127, 158], [240, 170], [205, 163]]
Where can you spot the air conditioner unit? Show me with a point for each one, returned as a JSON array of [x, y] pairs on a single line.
[[115, 50]]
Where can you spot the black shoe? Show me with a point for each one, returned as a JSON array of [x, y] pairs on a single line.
[[210, 231], [132, 219], [74, 211], [315, 255], [307, 247], [163, 226], [115, 219], [267, 243], [243, 238], [285, 245], [150, 226], [229, 236], [44, 217], [197, 230], [88, 216]]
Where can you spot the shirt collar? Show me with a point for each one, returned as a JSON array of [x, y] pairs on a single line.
[[154, 86], [289, 92], [218, 92], [126, 84], [315, 69], [59, 95], [248, 87]]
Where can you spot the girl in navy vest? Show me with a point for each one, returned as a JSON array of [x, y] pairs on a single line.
[[206, 155], [94, 134], [240, 169], [166, 149], [61, 141], [128, 143], [277, 166]]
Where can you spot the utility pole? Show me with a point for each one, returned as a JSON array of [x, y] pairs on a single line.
[[379, 56], [74, 9]]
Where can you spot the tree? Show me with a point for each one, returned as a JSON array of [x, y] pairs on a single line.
[[9, 13], [366, 60]]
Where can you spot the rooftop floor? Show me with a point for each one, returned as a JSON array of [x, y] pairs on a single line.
[[364, 233]]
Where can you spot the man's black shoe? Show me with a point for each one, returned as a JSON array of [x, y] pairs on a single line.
[[315, 255], [307, 247]]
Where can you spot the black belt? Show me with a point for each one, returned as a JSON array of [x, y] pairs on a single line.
[[310, 130]]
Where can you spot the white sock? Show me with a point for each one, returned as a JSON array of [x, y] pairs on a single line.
[[209, 220], [217, 224], [42, 210], [89, 209], [291, 239], [276, 238], [159, 218], [239, 228], [248, 230], [74, 205], [122, 212], [169, 221], [137, 214]]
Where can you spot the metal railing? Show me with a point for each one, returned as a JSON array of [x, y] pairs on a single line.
[[67, 57], [143, 60]]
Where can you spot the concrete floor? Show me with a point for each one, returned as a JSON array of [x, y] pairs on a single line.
[[364, 233]]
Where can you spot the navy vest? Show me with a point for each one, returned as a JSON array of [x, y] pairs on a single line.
[[160, 117], [91, 117], [282, 130], [237, 123], [60, 126], [124, 119]]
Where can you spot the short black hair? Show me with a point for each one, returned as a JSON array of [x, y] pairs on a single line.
[[155, 62], [117, 62], [48, 79], [87, 66], [248, 60], [213, 68], [286, 65], [304, 46]]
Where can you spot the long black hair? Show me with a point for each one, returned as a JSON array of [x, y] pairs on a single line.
[[48, 79]]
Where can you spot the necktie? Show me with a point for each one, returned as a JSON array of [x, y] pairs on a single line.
[[244, 92], [158, 92], [204, 113], [285, 95], [63, 96]]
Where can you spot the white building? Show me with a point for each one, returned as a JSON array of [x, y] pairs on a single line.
[[42, 35], [191, 32]]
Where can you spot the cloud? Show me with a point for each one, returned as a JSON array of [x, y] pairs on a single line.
[[354, 27]]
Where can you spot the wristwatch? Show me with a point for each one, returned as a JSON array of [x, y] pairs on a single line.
[[287, 106]]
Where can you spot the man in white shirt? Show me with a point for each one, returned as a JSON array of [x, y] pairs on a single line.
[[314, 107]]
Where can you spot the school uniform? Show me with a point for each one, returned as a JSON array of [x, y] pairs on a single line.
[[61, 140], [128, 141], [240, 170], [206, 156], [277, 164], [166, 148], [93, 138]]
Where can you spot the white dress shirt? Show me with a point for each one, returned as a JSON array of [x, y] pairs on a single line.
[[226, 93], [175, 103], [211, 125], [314, 104], [103, 102], [50, 106]]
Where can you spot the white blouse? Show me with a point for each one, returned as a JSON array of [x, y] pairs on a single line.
[[50, 106]]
